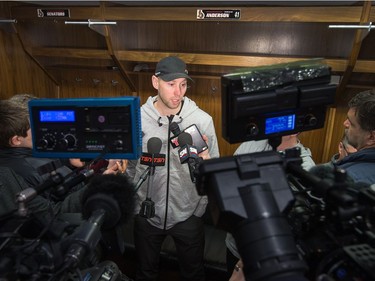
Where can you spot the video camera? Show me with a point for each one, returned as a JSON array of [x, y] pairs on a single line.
[[33, 250], [282, 229], [42, 245], [64, 247]]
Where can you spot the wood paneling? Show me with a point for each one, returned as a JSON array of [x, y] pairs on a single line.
[[253, 14], [18, 72], [86, 83]]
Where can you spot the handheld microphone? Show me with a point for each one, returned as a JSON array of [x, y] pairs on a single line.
[[197, 138], [108, 201], [188, 153], [175, 129], [152, 158]]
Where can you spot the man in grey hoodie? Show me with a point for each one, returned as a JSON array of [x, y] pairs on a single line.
[[178, 207]]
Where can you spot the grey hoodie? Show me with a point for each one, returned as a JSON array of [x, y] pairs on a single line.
[[174, 194]]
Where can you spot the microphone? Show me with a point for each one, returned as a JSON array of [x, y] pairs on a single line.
[[67, 185], [55, 179], [324, 172], [338, 191], [335, 179], [30, 193], [320, 178], [345, 198], [151, 159], [107, 202], [102, 189], [175, 129], [188, 153]]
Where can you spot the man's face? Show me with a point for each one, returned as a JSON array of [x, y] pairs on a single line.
[[171, 93], [356, 136]]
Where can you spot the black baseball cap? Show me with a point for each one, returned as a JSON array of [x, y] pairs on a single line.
[[170, 68]]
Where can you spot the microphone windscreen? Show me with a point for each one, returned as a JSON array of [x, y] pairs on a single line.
[[154, 145], [113, 193], [333, 176], [175, 129], [184, 139], [363, 185], [324, 172]]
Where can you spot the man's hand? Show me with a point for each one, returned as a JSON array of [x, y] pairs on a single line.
[[116, 166], [205, 154], [237, 274]]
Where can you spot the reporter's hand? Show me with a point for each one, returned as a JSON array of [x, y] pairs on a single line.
[[205, 154], [237, 274], [76, 162], [116, 166]]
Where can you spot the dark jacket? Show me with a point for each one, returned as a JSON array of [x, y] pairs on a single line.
[[11, 184], [360, 165], [21, 161]]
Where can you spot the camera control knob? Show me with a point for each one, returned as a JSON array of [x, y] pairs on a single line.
[[68, 141], [47, 141], [311, 120], [252, 129], [118, 143]]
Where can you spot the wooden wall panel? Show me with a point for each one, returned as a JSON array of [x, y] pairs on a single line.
[[85, 83], [55, 33], [283, 38], [18, 72]]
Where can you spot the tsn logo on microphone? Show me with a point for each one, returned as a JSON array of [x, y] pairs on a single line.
[[149, 159], [185, 152]]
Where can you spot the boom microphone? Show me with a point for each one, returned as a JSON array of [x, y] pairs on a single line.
[[188, 153]]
